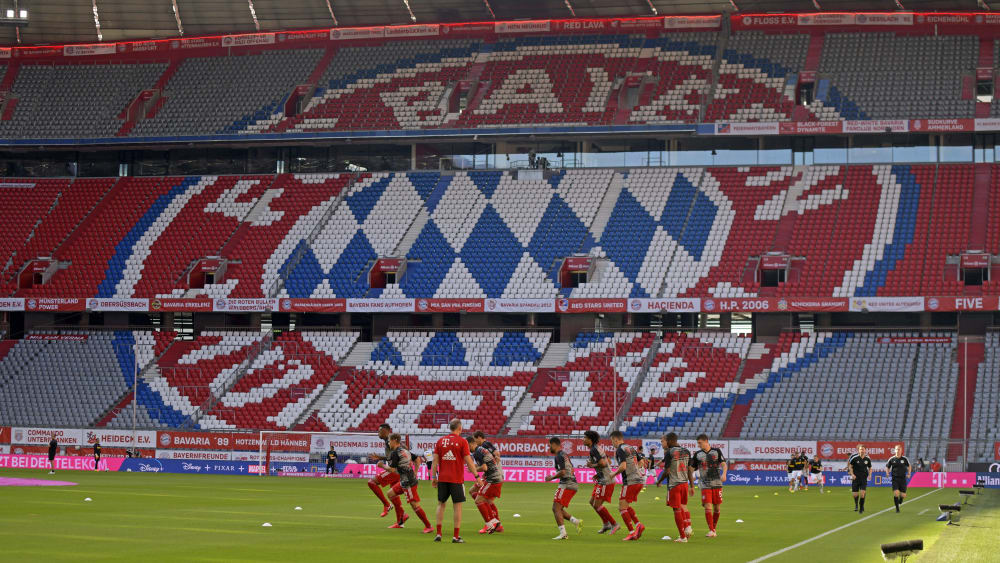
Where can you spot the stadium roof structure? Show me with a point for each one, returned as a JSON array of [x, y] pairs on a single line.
[[72, 21]]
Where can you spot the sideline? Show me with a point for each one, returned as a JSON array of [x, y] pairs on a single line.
[[837, 529]]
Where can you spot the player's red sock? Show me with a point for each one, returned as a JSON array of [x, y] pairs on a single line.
[[439, 529], [606, 516], [627, 518], [485, 511], [423, 517], [398, 505], [687, 518], [494, 511], [378, 492], [631, 512], [456, 532], [679, 520], [710, 518], [600, 512], [715, 519]]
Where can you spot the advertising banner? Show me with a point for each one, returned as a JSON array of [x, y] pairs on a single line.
[[764, 449], [520, 306], [758, 466], [41, 436], [11, 304], [229, 305], [185, 466], [941, 480], [171, 304], [880, 451], [590, 305], [329, 305], [120, 438], [679, 305], [203, 455], [380, 305], [54, 304], [4, 434], [450, 306], [114, 304], [990, 481], [879, 304], [62, 463]]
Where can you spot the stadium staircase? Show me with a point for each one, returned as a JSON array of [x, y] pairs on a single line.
[[360, 354], [985, 61], [296, 258], [970, 356], [639, 380], [980, 206], [557, 354]]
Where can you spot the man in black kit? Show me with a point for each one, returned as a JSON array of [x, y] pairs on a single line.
[[859, 466], [331, 460], [97, 455], [53, 446], [898, 468]]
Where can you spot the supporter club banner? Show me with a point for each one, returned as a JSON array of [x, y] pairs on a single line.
[[41, 436], [350, 444], [11, 304], [520, 306], [4, 434], [979, 303], [643, 305], [450, 305], [650, 444], [114, 304], [171, 304], [198, 440], [843, 450], [62, 463], [229, 305], [880, 304], [590, 305], [203, 455], [996, 451], [54, 304], [380, 305], [120, 438], [762, 450], [332, 305]]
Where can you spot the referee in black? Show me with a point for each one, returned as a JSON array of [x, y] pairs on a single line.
[[97, 455], [53, 447], [898, 468], [331, 460], [859, 466]]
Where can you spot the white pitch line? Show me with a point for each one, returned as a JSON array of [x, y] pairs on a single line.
[[921, 513], [835, 530]]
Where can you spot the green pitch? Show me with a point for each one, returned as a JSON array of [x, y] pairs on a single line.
[[163, 517]]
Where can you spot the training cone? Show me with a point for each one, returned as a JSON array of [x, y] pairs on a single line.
[[739, 521], [656, 498], [756, 496], [665, 538], [517, 516], [775, 494], [266, 525], [298, 508], [88, 499]]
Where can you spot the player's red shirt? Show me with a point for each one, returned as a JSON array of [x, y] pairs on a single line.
[[451, 451]]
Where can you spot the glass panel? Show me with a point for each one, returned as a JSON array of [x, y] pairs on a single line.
[[956, 148]]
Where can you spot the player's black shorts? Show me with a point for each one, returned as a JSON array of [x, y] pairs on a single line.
[[899, 484], [859, 484], [52, 458], [454, 491]]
